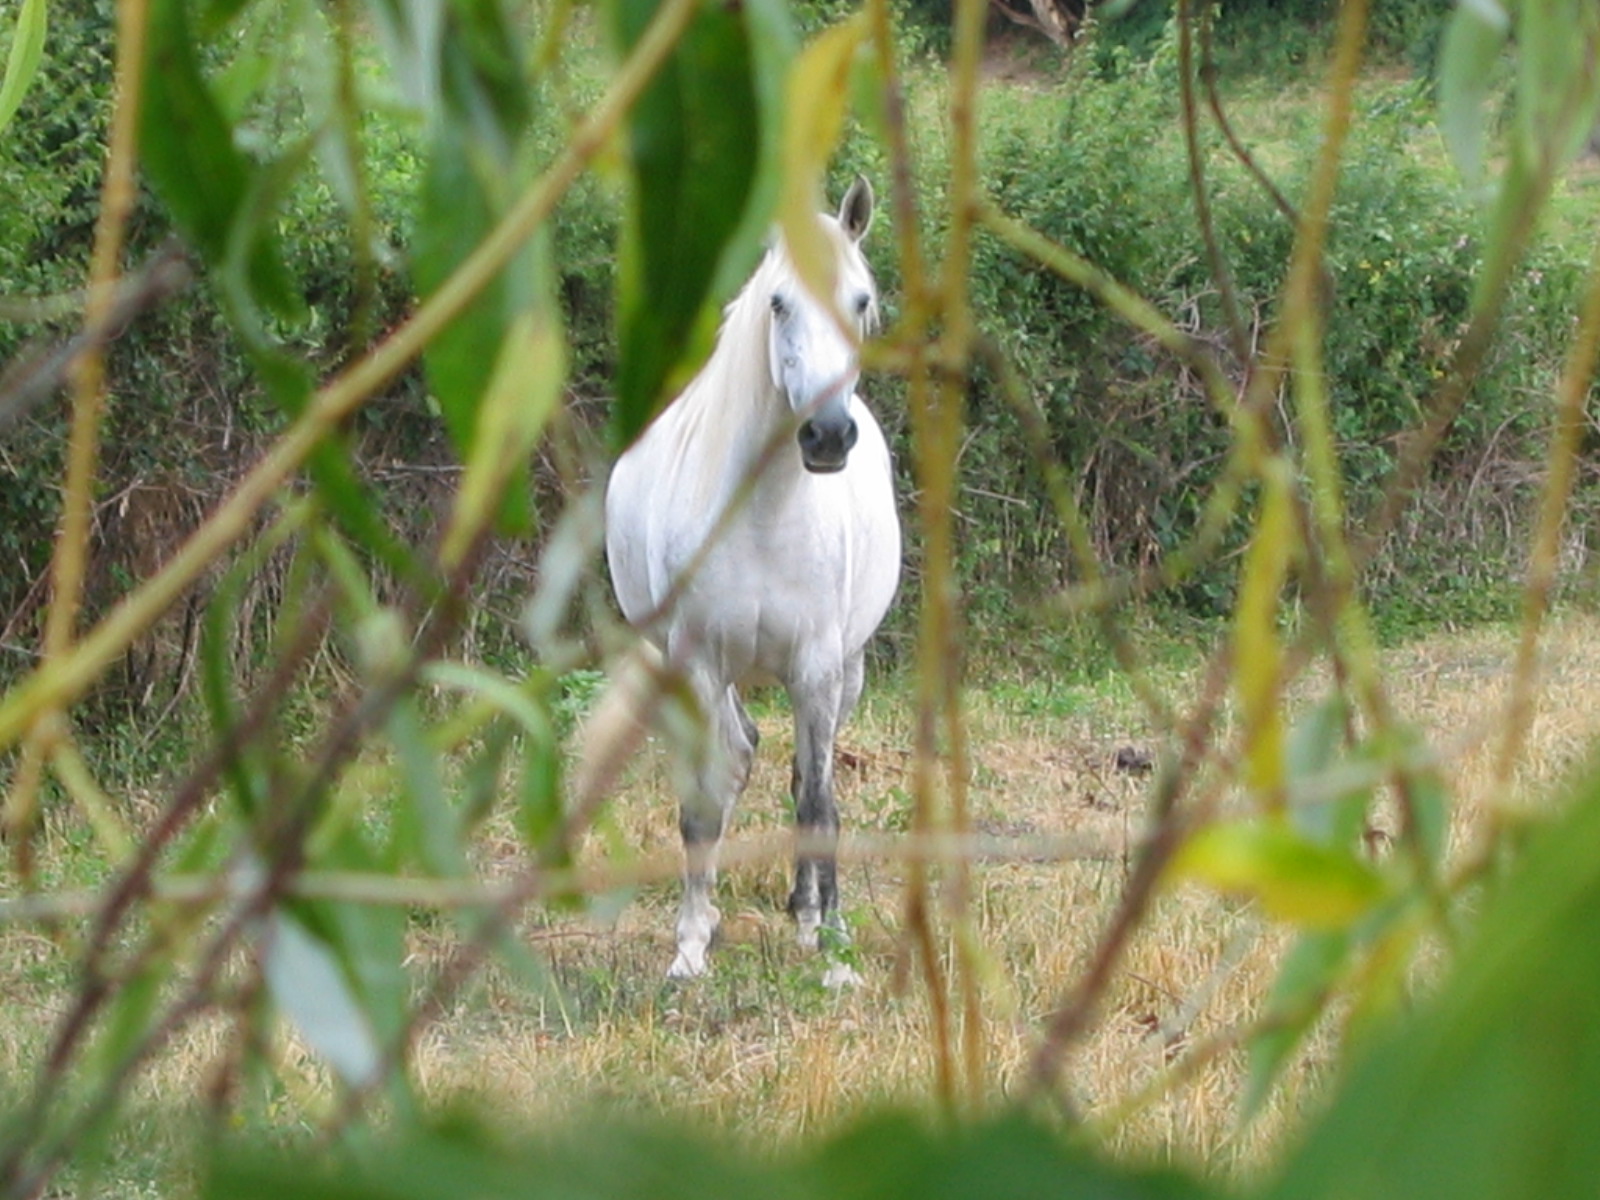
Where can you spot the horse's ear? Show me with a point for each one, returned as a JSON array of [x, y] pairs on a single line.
[[855, 210]]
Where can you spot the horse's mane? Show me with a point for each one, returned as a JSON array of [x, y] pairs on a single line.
[[723, 402]]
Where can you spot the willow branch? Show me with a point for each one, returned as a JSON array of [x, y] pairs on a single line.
[[918, 312], [1561, 469], [1238, 340]]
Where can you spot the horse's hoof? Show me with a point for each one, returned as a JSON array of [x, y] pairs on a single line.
[[841, 975], [807, 927]]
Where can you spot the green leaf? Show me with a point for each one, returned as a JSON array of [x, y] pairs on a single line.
[[510, 416], [1305, 981], [1430, 807], [367, 941], [1558, 86], [22, 63], [1472, 41], [306, 982], [1295, 880], [242, 768], [892, 1157], [540, 810], [427, 829], [187, 149], [411, 32], [484, 89], [1328, 792], [695, 146], [1257, 654], [129, 1013], [227, 205], [1487, 1093], [506, 696], [455, 213], [481, 783], [457, 62], [817, 94]]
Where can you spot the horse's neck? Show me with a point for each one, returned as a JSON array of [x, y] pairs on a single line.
[[730, 412]]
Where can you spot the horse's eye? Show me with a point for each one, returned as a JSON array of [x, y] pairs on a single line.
[[863, 302], [778, 306]]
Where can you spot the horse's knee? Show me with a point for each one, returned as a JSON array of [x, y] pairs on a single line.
[[701, 823]]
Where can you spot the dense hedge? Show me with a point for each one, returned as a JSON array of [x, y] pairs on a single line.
[[1089, 151]]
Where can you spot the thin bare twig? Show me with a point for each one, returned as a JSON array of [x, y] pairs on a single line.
[[1238, 340]]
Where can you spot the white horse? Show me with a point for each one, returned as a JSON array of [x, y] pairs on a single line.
[[771, 443]]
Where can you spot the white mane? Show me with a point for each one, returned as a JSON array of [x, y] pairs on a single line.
[[707, 421]]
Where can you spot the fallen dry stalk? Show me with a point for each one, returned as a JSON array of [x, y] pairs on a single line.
[[661, 866]]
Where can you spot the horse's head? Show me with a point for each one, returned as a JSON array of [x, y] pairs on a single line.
[[815, 361]]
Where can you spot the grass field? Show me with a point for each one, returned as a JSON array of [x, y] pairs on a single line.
[[764, 1050], [760, 1048]]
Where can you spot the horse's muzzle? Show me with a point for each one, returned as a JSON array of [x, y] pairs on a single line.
[[825, 445]]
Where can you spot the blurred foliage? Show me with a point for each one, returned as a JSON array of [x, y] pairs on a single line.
[[404, 223]]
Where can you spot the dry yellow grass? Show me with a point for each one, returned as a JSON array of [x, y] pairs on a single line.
[[760, 1048]]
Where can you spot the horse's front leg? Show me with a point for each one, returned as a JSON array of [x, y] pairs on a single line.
[[819, 702], [714, 781]]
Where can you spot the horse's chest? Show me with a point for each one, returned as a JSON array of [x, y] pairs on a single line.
[[762, 592]]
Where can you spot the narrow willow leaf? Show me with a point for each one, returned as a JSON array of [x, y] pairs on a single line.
[[772, 50], [411, 32], [818, 90], [129, 1013], [1430, 811], [226, 205], [454, 215], [240, 769], [367, 942], [522, 394], [897, 1157], [1473, 39], [1328, 791], [216, 15], [1307, 978], [186, 146], [1558, 44], [564, 565], [1383, 988], [483, 79], [694, 146], [462, 198], [540, 811], [509, 698], [1257, 655], [427, 828], [1295, 880], [306, 982], [1314, 740], [481, 780], [22, 63]]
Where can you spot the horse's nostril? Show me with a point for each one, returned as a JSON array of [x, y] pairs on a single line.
[[824, 445]]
